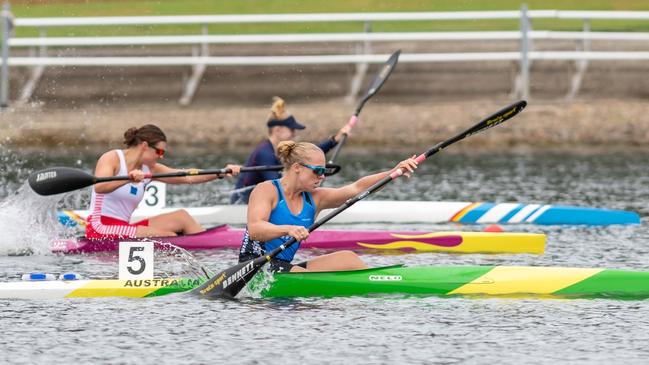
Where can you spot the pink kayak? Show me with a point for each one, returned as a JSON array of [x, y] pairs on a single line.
[[225, 237]]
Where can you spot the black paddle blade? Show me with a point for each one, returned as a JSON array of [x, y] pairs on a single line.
[[498, 117], [332, 169], [386, 70], [57, 180], [379, 80], [228, 283], [489, 122]]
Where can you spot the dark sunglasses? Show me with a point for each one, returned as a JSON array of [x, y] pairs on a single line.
[[318, 170], [159, 151]]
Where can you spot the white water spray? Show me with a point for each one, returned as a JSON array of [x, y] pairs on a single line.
[[172, 261], [29, 223], [258, 285]]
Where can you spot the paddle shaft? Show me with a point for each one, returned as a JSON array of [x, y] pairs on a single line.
[[376, 84], [57, 180], [191, 173], [343, 138], [223, 171]]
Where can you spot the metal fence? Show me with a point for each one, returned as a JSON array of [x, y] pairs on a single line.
[[200, 57]]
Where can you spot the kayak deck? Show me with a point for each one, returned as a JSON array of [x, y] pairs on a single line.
[[453, 242], [378, 211], [442, 281], [516, 281]]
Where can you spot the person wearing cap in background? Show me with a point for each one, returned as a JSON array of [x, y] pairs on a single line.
[[282, 126]]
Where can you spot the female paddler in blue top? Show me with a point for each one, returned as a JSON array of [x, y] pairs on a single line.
[[283, 208], [282, 126]]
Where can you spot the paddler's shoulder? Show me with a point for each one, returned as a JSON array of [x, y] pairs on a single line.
[[265, 187], [264, 147], [109, 156], [263, 192]]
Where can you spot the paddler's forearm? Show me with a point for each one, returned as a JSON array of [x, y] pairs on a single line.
[[201, 178], [407, 167], [333, 198], [263, 231], [364, 183], [197, 179], [109, 187]]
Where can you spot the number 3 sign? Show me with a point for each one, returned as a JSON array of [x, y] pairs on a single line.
[[135, 260], [155, 196]]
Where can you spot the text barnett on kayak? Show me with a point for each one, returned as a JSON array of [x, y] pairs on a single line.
[[113, 203], [284, 208], [281, 127]]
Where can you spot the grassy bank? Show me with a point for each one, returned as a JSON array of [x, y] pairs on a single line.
[[76, 8]]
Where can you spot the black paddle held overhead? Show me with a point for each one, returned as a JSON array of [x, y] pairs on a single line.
[[228, 283], [375, 86], [57, 180]]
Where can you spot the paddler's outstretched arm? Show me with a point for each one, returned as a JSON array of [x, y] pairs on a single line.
[[334, 197]]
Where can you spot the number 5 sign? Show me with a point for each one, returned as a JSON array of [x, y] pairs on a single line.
[[135, 260]]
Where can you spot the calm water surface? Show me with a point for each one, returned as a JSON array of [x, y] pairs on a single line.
[[177, 329]]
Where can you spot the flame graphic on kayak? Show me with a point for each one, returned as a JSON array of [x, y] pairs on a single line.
[[422, 242]]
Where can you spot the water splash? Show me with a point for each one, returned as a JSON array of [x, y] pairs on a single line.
[[14, 170], [29, 223], [172, 261], [258, 285]]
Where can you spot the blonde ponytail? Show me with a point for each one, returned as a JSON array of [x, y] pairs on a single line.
[[278, 110], [290, 152]]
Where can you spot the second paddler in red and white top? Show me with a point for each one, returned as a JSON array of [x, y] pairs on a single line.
[[112, 203]]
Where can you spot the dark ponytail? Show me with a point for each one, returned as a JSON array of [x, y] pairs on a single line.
[[149, 133]]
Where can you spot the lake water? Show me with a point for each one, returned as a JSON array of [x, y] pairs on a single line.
[[178, 329]]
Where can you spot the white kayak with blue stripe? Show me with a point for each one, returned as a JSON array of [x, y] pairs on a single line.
[[544, 214], [377, 211]]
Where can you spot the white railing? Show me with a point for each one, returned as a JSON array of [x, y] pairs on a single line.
[[328, 18], [322, 37], [201, 58]]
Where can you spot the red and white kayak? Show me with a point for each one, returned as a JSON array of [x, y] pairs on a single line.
[[225, 237]]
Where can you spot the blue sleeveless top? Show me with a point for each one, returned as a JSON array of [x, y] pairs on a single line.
[[281, 214]]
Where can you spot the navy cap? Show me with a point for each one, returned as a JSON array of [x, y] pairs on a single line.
[[289, 122]]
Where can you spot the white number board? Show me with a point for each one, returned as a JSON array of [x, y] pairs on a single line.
[[155, 196], [135, 260]]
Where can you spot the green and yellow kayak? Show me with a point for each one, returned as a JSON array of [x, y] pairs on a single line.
[[442, 281]]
